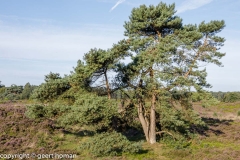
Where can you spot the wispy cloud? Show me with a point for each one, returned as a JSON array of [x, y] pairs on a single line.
[[118, 2], [191, 4], [24, 19]]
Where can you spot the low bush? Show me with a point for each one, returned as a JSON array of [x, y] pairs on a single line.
[[110, 144], [35, 111], [231, 97], [179, 142], [238, 113]]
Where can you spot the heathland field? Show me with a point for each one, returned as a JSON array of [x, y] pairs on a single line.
[[220, 140]]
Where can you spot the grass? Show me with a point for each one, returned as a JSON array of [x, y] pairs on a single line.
[[232, 107]]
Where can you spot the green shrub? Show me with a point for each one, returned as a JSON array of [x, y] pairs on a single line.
[[27, 90], [215, 114], [2, 90], [178, 143], [110, 144], [90, 110], [11, 93], [35, 111], [238, 113], [179, 122], [51, 90], [12, 97], [231, 97], [206, 98]]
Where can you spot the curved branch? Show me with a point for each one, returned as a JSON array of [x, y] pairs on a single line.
[[161, 132]]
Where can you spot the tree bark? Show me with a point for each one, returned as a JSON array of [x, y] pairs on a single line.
[[152, 131], [107, 85], [143, 122]]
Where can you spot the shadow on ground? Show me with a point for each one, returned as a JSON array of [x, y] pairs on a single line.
[[212, 126]]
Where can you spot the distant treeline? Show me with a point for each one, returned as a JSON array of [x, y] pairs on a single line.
[[227, 96], [15, 92]]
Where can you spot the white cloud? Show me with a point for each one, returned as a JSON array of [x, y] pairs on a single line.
[[118, 2], [191, 4]]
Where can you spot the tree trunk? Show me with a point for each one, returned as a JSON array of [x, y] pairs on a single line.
[[107, 85], [152, 131], [148, 122], [143, 121]]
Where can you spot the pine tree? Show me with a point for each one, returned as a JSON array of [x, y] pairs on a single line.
[[27, 90], [53, 87], [166, 60], [148, 31], [100, 62]]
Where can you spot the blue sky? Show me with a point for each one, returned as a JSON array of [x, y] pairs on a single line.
[[39, 36]]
